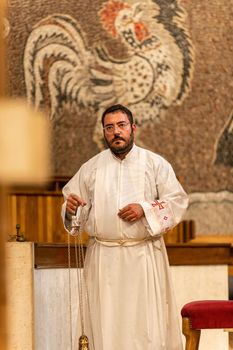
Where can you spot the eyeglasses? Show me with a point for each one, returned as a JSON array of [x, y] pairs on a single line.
[[109, 129]]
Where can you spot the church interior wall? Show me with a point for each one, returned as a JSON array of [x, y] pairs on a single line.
[[186, 115]]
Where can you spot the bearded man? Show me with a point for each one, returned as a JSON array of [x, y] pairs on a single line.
[[130, 197]]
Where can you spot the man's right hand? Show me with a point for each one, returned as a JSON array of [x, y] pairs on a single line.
[[72, 203]]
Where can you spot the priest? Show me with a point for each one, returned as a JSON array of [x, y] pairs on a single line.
[[129, 198]]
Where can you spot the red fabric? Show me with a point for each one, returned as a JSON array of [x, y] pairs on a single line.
[[206, 314]]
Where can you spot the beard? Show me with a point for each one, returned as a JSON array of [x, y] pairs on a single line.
[[122, 147]]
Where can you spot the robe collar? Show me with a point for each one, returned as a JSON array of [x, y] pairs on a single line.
[[129, 156]]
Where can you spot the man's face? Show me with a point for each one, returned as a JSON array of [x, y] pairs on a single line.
[[118, 132]]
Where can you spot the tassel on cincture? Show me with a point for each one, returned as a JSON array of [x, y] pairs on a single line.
[[83, 343]]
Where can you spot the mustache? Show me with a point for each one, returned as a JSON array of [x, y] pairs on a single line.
[[117, 138]]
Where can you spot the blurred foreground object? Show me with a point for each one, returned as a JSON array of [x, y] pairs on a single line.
[[24, 156], [2, 207], [24, 144]]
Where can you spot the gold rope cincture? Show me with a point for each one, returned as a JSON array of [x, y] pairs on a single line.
[[76, 230]]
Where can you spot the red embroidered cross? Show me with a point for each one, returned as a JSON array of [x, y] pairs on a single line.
[[159, 204]]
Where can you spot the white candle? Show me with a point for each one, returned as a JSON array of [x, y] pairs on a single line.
[[24, 144]]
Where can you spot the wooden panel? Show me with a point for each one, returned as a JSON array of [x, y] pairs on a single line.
[[39, 217], [56, 255], [199, 253], [181, 233]]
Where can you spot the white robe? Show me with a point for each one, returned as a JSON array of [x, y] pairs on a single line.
[[130, 291]]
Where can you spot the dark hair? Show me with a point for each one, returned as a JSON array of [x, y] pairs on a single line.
[[116, 108]]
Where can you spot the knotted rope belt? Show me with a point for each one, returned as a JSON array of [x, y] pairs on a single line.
[[128, 242]]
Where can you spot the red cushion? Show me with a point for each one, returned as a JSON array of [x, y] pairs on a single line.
[[209, 314]]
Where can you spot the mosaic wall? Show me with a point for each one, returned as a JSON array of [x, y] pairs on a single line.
[[169, 61]]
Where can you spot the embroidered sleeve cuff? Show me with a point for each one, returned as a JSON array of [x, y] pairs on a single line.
[[158, 216], [153, 224]]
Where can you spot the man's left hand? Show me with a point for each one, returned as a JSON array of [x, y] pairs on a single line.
[[132, 212]]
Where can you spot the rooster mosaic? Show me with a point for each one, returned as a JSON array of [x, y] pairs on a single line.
[[156, 73]]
